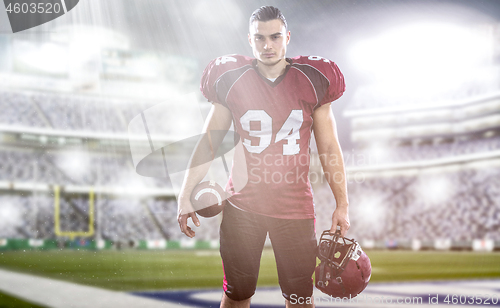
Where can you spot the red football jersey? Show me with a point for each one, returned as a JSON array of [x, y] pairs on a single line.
[[274, 121]]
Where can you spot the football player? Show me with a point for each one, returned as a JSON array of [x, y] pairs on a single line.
[[274, 103]]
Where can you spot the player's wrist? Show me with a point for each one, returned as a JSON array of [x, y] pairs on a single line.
[[184, 206], [342, 205]]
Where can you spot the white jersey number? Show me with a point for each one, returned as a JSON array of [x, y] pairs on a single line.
[[290, 131], [318, 58], [224, 59], [264, 133]]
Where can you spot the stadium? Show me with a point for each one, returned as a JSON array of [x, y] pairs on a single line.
[[88, 210]]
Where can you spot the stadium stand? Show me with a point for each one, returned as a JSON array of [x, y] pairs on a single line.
[[407, 207], [18, 109], [56, 167], [394, 207], [119, 219], [71, 112], [425, 167], [421, 152]]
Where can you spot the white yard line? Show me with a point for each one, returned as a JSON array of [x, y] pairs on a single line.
[[62, 294]]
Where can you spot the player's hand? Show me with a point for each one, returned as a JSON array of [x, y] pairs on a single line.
[[340, 218], [182, 218]]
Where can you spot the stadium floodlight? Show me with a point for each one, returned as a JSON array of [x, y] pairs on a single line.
[[371, 209], [50, 57], [10, 216], [74, 163], [423, 59], [435, 189], [85, 36], [378, 152]]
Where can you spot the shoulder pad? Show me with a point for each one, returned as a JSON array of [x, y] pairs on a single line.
[[216, 68], [329, 70]]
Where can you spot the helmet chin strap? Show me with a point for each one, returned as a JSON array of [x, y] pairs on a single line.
[[341, 284], [320, 282]]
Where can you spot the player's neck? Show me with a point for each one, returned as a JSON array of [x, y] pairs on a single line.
[[272, 71]]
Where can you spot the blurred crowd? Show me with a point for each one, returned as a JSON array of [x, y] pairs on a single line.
[[461, 203]]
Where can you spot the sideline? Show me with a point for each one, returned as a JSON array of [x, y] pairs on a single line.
[[62, 294]]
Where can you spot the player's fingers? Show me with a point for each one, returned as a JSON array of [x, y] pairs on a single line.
[[333, 229], [179, 221], [195, 219], [189, 232], [344, 226], [182, 219]]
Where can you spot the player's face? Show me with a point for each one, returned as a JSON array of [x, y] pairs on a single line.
[[269, 40]]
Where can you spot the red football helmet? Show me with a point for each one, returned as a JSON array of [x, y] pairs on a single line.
[[345, 269]]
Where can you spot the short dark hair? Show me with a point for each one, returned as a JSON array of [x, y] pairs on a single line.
[[266, 13]]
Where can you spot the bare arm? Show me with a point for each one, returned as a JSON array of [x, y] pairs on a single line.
[[219, 119], [331, 158]]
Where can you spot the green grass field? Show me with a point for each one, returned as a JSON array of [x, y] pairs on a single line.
[[7, 301], [148, 270]]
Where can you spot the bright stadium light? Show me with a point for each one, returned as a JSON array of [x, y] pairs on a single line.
[[90, 37], [49, 57], [378, 152], [423, 57], [10, 215], [75, 164], [435, 189], [84, 45], [370, 209]]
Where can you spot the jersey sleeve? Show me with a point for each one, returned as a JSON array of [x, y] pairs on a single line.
[[336, 86], [213, 72], [208, 79], [325, 75]]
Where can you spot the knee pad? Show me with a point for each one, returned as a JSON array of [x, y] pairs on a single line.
[[244, 289]]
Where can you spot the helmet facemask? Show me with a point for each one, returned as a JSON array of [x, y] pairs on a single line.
[[337, 251], [339, 273]]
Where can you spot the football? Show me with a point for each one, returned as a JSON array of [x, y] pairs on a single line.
[[208, 198]]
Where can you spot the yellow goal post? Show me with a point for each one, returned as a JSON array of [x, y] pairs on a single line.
[[57, 212]]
